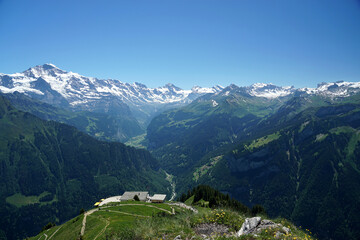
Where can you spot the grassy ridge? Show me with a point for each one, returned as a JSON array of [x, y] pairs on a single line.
[[134, 220]]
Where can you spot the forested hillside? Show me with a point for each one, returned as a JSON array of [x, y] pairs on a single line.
[[180, 137], [49, 171], [300, 160]]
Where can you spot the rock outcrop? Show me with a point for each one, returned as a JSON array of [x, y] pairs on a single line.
[[256, 225]]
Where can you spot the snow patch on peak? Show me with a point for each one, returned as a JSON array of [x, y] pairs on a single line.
[[218, 88], [214, 103], [260, 85], [269, 90], [201, 90], [20, 89], [51, 65], [335, 89]]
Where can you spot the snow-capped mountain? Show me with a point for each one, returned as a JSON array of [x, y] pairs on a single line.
[[77, 89], [337, 89], [269, 90], [67, 89], [262, 90], [55, 86]]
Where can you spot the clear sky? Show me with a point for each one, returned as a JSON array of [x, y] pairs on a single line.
[[186, 42]]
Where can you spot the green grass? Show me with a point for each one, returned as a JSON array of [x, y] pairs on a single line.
[[262, 141], [342, 129], [143, 221], [66, 231], [199, 172], [190, 200], [137, 141], [142, 210], [95, 223], [354, 138], [20, 200], [320, 137], [159, 205]]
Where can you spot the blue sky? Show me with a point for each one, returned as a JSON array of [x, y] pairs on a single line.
[[187, 42]]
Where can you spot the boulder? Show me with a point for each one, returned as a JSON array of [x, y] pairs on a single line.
[[255, 225], [286, 230], [249, 226]]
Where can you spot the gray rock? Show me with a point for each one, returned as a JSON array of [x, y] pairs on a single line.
[[278, 235], [255, 225], [204, 237], [286, 230], [267, 222], [249, 225], [178, 237]]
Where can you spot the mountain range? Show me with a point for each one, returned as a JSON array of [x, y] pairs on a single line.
[[67, 89], [298, 154], [130, 107], [78, 93], [293, 150]]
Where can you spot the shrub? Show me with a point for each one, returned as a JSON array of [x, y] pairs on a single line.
[[48, 226], [258, 209], [82, 210]]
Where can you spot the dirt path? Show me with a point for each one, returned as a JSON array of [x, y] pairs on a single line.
[[103, 230], [131, 214], [84, 220], [108, 222], [54, 233], [46, 236], [183, 205], [130, 204], [151, 207]]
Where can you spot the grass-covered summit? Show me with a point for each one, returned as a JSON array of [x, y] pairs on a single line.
[[172, 220]]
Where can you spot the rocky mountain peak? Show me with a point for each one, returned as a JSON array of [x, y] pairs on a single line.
[[44, 70]]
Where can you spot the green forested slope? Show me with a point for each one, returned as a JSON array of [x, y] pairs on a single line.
[[308, 172], [48, 171], [180, 137], [301, 160]]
